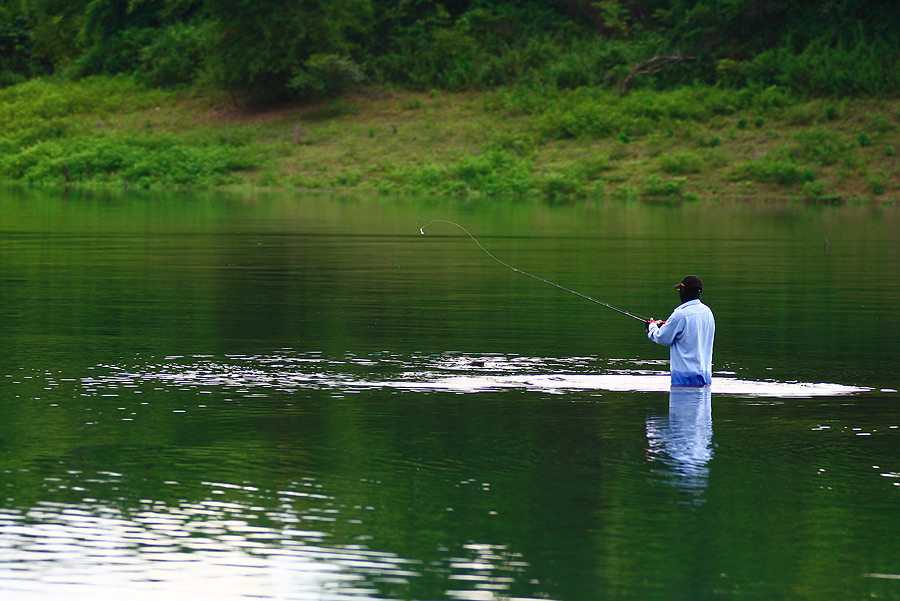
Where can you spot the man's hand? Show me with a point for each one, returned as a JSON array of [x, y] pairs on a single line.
[[658, 323]]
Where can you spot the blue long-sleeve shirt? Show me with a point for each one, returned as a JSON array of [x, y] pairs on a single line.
[[688, 332]]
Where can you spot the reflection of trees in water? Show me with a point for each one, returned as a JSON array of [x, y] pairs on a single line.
[[682, 440]]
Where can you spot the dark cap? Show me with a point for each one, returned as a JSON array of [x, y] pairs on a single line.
[[690, 281]]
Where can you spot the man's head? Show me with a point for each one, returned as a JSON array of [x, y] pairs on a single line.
[[689, 288]]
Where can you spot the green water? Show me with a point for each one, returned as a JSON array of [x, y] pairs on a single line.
[[282, 397]]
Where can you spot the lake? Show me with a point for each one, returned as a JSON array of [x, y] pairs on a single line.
[[222, 396]]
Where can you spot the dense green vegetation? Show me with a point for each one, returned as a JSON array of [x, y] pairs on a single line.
[[265, 49], [557, 100]]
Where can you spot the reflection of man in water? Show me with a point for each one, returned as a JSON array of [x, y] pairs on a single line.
[[689, 334], [683, 439]]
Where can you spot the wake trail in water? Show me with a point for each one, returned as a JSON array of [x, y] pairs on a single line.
[[293, 371]]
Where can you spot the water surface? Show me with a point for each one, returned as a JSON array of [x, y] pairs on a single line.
[[281, 397]]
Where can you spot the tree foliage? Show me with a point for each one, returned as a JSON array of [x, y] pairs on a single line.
[[262, 49], [259, 46]]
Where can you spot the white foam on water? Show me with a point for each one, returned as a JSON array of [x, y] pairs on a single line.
[[559, 383]]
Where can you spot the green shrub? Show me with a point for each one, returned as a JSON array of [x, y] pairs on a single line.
[[664, 187], [820, 145], [11, 78], [28, 104], [682, 163], [574, 181], [115, 52], [817, 191], [339, 107], [141, 160], [430, 178], [559, 187], [771, 97], [519, 143], [842, 61], [350, 177], [495, 173], [775, 170], [174, 56], [877, 183], [325, 76], [600, 113], [591, 168], [579, 115]]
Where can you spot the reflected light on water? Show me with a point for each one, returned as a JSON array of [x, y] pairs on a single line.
[[235, 541], [453, 373], [208, 549]]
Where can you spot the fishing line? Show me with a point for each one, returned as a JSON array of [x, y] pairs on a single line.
[[540, 279]]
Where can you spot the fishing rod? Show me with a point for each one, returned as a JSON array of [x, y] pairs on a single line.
[[540, 279]]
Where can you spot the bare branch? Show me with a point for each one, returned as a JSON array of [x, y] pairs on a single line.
[[652, 65]]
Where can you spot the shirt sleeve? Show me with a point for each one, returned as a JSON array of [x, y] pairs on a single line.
[[666, 334]]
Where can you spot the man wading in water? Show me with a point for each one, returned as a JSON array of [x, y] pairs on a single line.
[[689, 334]]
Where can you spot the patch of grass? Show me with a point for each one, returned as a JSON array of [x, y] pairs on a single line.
[[532, 143], [412, 104], [519, 143], [881, 123], [591, 168], [803, 114], [338, 108]]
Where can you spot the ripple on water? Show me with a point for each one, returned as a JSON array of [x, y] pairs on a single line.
[[237, 540], [222, 549], [252, 375], [211, 549], [230, 541]]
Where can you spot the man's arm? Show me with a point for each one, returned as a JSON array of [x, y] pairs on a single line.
[[665, 334]]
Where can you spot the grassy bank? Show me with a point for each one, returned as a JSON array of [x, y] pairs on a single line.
[[558, 146]]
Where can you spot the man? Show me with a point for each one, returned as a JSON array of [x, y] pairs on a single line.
[[689, 334]]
